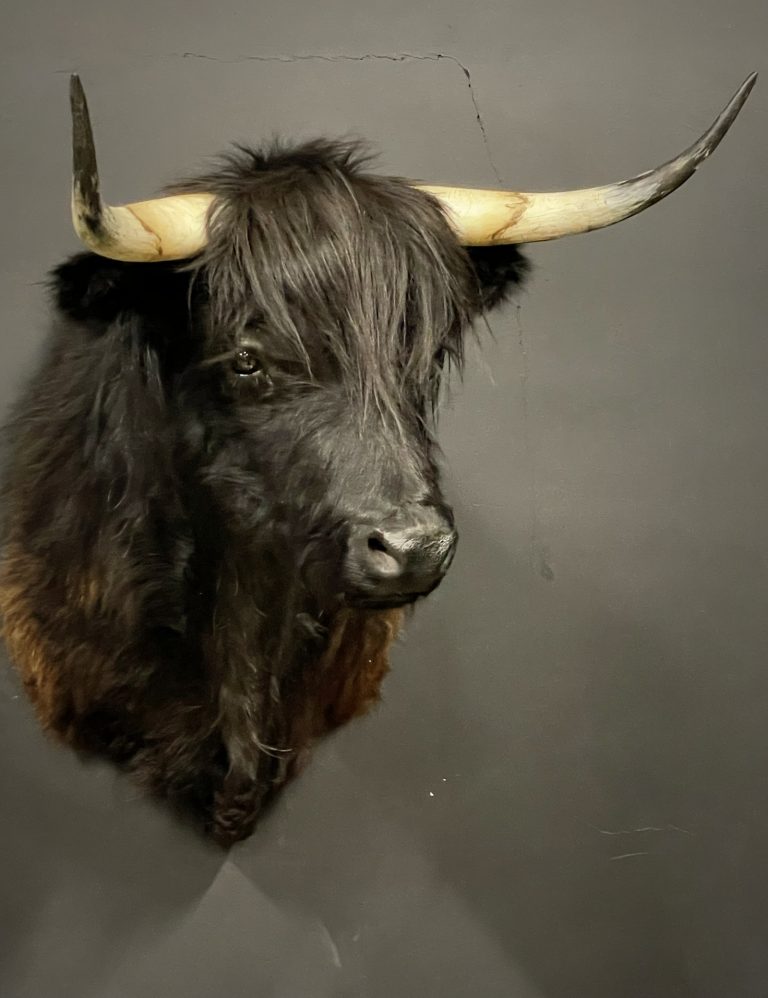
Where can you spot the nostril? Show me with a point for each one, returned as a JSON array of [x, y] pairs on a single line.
[[398, 559], [381, 558]]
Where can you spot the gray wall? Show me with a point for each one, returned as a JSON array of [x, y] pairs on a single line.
[[564, 794]]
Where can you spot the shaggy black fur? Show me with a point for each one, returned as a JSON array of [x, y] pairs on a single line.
[[186, 463]]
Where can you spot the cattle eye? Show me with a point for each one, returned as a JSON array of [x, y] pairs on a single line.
[[246, 362]]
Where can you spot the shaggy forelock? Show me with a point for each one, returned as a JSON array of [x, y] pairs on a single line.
[[334, 260]]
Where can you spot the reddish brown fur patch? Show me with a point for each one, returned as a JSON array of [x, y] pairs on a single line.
[[346, 682], [92, 691], [76, 678], [28, 644]]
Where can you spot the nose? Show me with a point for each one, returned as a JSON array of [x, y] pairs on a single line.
[[397, 560]]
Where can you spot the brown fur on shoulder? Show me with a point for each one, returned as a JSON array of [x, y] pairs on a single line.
[[162, 732]]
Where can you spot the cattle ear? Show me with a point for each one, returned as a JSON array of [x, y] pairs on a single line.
[[89, 287], [500, 271]]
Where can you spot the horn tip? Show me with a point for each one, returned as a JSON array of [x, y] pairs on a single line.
[[77, 100], [738, 101], [745, 90], [76, 86]]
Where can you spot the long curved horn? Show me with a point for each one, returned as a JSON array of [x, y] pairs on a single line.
[[169, 228], [487, 218], [174, 228]]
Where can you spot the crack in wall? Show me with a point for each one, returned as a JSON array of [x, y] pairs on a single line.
[[538, 552], [393, 57], [642, 830]]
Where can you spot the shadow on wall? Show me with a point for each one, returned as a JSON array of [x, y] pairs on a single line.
[[91, 873], [533, 811]]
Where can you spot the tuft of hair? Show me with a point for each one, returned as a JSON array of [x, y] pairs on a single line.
[[330, 254]]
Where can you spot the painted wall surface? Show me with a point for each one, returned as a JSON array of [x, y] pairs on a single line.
[[565, 793]]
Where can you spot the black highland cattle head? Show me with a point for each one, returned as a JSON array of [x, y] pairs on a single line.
[[222, 485], [328, 302]]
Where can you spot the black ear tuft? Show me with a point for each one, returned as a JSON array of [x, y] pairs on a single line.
[[500, 271], [88, 287]]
